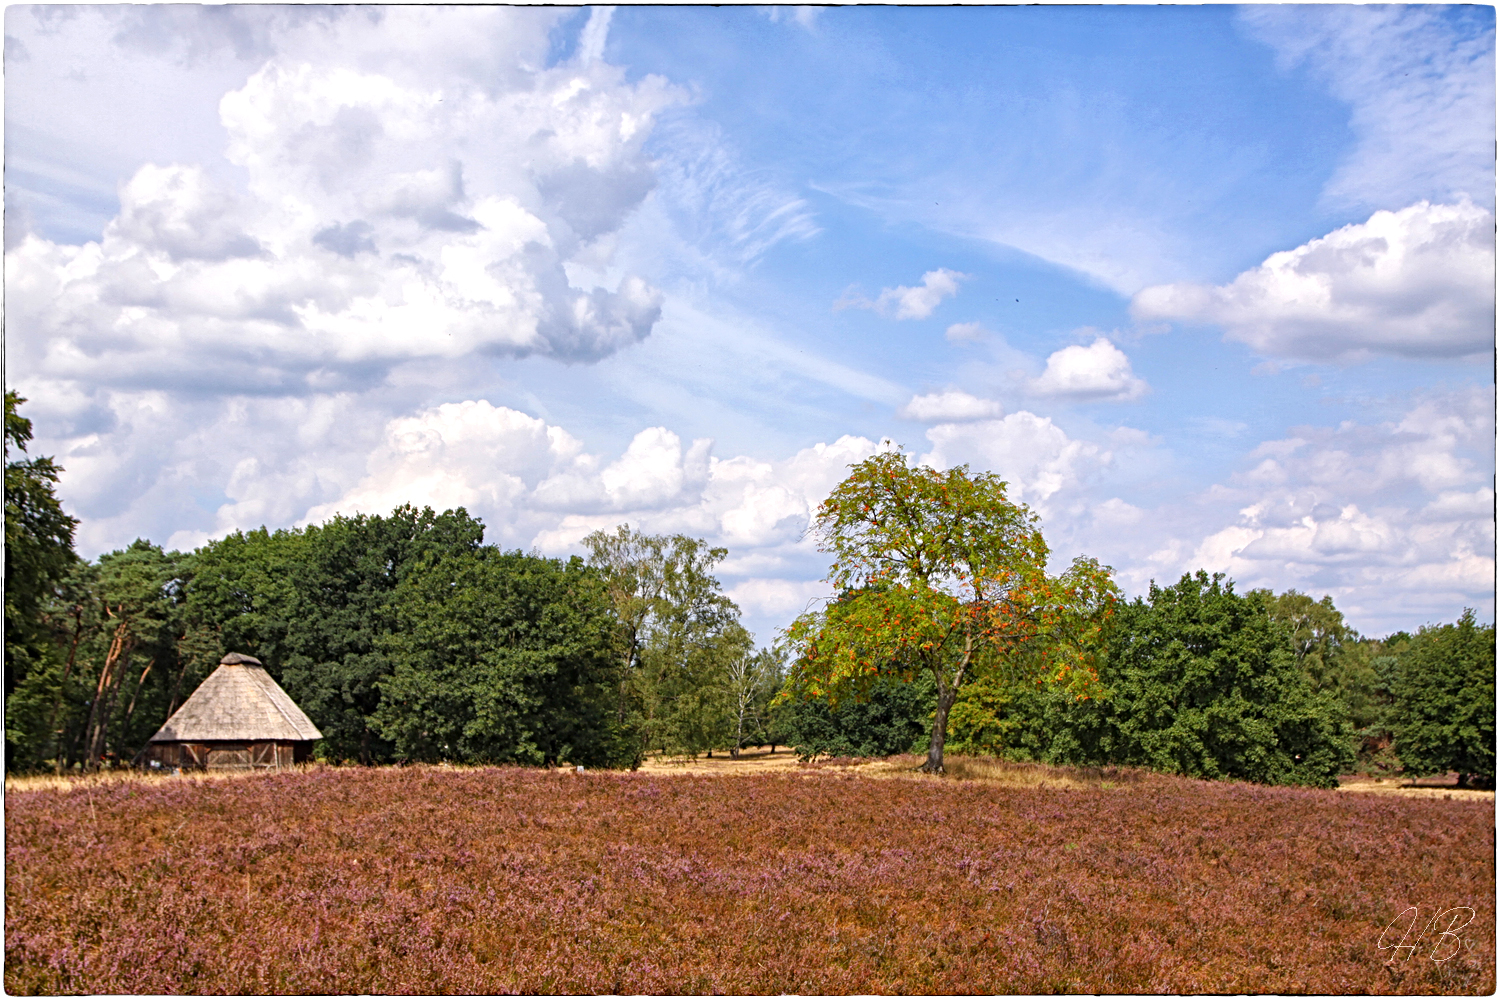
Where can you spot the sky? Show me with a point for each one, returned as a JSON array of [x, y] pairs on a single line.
[[1208, 287]]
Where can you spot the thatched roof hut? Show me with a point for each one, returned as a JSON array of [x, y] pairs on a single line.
[[238, 719]]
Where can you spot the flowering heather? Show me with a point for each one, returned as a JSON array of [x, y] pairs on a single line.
[[432, 880]]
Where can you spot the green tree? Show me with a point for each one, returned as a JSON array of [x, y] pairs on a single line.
[[1338, 660], [1203, 682], [676, 638], [1317, 632], [940, 573], [117, 638], [752, 681], [686, 686], [637, 569], [1007, 714], [313, 605], [137, 594], [1444, 717], [38, 549], [44, 714], [502, 658], [1367, 672]]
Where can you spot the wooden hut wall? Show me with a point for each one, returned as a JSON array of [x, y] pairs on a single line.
[[257, 755]]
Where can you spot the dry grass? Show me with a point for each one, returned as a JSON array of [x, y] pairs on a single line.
[[905, 766], [1019, 774], [753, 760], [107, 779], [990, 771], [432, 880], [1435, 787]]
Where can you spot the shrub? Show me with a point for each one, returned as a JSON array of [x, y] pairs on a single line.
[[1199, 681], [1000, 717], [895, 717]]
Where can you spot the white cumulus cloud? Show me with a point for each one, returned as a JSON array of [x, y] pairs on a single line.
[[919, 302], [1099, 371], [1415, 283], [960, 333], [388, 214], [915, 302], [1394, 519], [1035, 457], [949, 406], [779, 599], [536, 486], [520, 472]]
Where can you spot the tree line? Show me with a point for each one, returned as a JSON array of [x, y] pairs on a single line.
[[942, 576], [406, 638], [1209, 683]]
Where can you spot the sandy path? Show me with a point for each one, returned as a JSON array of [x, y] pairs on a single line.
[[750, 761], [1438, 786]]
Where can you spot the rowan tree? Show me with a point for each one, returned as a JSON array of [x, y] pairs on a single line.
[[941, 573]]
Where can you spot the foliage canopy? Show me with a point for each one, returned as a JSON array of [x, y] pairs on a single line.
[[1203, 682], [1445, 701], [940, 573], [501, 658], [38, 546], [683, 682]]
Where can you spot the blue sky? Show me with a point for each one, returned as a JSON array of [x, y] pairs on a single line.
[[1211, 287]]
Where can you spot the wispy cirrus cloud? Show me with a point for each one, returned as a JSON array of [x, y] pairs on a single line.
[[1420, 83], [721, 206]]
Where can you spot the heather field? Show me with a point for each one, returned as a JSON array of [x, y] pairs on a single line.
[[436, 880]]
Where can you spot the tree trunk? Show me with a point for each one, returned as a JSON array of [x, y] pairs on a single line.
[[116, 683], [625, 676], [177, 688], [946, 697], [739, 732], [125, 724], [62, 687], [97, 730]]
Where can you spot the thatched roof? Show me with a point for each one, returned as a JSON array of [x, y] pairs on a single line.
[[239, 701]]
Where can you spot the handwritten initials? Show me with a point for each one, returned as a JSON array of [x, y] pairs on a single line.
[[1444, 948]]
